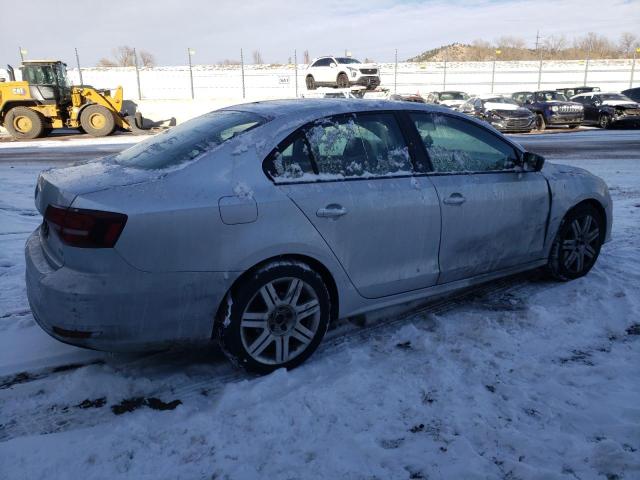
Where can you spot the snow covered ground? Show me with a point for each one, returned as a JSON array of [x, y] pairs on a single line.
[[521, 379]]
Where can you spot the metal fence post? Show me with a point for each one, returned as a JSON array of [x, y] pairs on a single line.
[[586, 67], [493, 70], [633, 66], [135, 60], [189, 53], [444, 75], [540, 72], [295, 66], [242, 70], [79, 69], [395, 74]]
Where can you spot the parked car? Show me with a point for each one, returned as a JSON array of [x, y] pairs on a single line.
[[551, 108], [504, 114], [449, 98], [608, 109], [573, 91], [341, 72], [407, 97], [249, 225], [633, 94]]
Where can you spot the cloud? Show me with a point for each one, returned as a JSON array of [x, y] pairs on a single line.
[[218, 29]]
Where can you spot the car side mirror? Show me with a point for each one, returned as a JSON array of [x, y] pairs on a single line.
[[333, 65], [533, 161], [528, 101]]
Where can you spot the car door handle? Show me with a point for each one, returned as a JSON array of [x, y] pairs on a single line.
[[455, 199], [332, 211]]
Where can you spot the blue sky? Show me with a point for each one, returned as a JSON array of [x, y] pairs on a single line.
[[218, 29]]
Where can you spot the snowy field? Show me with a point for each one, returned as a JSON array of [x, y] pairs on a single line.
[[520, 379]]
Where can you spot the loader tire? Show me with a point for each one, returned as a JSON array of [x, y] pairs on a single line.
[[24, 123], [97, 121]]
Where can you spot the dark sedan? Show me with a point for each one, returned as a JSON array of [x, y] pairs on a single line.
[[608, 109], [502, 113]]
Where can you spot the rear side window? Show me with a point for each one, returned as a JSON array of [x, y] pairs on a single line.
[[188, 140], [455, 145], [344, 147]]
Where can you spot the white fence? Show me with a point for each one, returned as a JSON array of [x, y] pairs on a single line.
[[265, 82]]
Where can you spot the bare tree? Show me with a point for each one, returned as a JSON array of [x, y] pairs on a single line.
[[553, 44], [257, 57], [125, 56], [147, 59], [511, 42], [628, 42], [306, 58], [228, 61]]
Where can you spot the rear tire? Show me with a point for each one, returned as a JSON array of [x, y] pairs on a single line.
[[541, 125], [342, 81], [310, 82], [24, 124], [577, 243], [97, 121], [275, 318]]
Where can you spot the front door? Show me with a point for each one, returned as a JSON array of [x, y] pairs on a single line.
[[494, 214]]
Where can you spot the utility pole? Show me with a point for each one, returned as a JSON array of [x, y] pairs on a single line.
[[135, 60], [395, 75], [444, 75], [295, 66], [79, 69], [633, 66], [493, 70], [537, 39], [189, 53], [242, 69]]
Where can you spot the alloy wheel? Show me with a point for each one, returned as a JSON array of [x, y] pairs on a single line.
[[280, 321], [580, 245]]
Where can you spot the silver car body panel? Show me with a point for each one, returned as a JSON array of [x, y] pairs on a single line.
[[193, 229]]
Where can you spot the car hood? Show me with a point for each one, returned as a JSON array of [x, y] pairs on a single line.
[[363, 65], [60, 186], [621, 103], [555, 170], [452, 103]]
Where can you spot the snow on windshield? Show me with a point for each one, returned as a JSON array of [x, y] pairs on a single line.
[[189, 140]]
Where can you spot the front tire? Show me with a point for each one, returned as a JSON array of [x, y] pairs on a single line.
[[275, 318], [24, 124], [577, 243], [342, 81], [97, 121], [604, 121], [541, 125], [311, 83]]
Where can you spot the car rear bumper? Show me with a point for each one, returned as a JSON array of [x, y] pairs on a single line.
[[124, 311]]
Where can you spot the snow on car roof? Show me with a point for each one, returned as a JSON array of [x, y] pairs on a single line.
[[326, 106]]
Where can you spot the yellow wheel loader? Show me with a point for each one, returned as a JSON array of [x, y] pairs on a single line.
[[45, 100]]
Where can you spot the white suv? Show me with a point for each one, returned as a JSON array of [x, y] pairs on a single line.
[[341, 72]]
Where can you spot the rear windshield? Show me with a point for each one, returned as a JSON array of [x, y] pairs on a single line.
[[188, 140]]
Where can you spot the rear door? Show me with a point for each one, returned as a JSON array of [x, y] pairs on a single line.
[[494, 215], [352, 177]]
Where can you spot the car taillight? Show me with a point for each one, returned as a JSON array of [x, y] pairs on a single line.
[[85, 228]]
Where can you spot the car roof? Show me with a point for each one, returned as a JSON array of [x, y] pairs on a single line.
[[319, 107]]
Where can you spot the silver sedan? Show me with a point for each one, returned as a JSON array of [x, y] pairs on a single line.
[[257, 225]]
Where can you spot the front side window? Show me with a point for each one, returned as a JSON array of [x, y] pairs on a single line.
[[455, 145], [343, 147], [188, 140]]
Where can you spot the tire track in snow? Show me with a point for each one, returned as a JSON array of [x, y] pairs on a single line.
[[54, 418]]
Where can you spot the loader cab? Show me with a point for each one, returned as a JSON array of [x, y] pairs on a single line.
[[48, 81]]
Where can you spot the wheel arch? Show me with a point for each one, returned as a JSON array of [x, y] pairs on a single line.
[[313, 263], [598, 207], [18, 103]]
